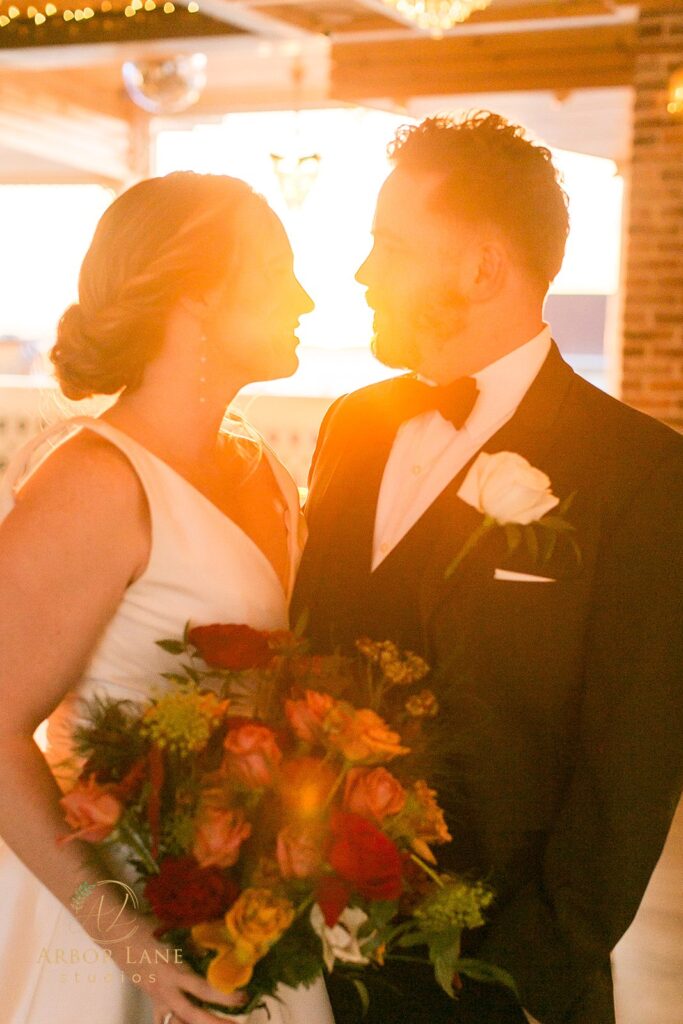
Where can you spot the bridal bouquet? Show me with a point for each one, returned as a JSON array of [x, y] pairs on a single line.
[[274, 823]]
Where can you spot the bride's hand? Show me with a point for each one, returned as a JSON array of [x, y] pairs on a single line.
[[169, 995], [168, 985]]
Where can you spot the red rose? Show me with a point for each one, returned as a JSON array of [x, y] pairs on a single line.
[[183, 894], [364, 857], [231, 646]]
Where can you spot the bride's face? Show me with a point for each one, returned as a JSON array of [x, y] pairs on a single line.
[[252, 326]]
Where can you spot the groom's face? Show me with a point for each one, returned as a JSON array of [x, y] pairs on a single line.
[[418, 275]]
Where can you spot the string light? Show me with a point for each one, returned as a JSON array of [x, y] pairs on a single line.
[[79, 14]]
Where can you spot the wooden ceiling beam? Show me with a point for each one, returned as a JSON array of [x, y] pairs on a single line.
[[51, 126], [564, 59]]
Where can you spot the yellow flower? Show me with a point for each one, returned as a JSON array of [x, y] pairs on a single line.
[[422, 705], [232, 968], [258, 918], [252, 925], [183, 720]]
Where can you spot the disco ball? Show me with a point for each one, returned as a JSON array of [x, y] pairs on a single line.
[[165, 85]]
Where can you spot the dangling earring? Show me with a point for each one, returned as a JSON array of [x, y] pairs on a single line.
[[202, 369]]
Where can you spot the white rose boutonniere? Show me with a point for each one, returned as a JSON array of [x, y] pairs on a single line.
[[512, 494]]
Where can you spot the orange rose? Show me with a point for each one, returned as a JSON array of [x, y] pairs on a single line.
[[306, 716], [361, 735], [91, 809], [299, 850], [373, 793], [305, 784], [258, 918], [218, 836], [253, 753]]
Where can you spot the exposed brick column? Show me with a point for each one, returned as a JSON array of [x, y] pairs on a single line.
[[652, 350]]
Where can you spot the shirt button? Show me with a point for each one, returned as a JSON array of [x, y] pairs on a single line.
[[383, 548], [417, 470]]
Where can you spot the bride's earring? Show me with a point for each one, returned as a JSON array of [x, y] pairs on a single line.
[[202, 369]]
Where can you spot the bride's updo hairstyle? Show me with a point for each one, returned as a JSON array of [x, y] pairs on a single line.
[[161, 240]]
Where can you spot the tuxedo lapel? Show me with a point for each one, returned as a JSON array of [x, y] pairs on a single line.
[[532, 433], [345, 489]]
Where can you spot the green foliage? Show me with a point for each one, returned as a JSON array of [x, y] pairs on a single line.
[[295, 959], [479, 970], [444, 952], [363, 995], [171, 646]]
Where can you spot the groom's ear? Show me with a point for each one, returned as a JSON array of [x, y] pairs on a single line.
[[491, 271]]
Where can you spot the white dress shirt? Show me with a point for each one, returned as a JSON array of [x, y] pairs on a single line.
[[428, 451]]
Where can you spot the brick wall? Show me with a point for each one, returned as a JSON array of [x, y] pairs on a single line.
[[652, 351]]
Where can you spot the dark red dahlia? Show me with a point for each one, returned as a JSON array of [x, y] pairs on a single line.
[[183, 894]]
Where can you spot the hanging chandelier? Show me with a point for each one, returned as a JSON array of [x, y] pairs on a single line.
[[436, 16]]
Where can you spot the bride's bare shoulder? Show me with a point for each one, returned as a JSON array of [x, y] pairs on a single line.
[[86, 485]]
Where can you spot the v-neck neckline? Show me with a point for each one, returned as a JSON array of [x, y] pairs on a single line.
[[291, 535]]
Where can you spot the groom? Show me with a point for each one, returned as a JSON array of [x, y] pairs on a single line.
[[558, 746]]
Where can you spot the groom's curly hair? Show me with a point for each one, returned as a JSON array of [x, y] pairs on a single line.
[[491, 171]]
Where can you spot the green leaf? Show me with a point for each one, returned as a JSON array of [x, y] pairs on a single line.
[[301, 624], [531, 542], [577, 551], [556, 523], [548, 545], [513, 534], [566, 504], [363, 995], [193, 673], [172, 646], [479, 970], [413, 939], [444, 953]]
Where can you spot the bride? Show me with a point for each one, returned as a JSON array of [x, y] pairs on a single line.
[[115, 531]]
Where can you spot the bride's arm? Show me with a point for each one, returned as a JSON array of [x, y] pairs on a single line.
[[78, 535]]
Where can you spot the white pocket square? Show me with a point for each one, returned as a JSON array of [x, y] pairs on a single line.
[[521, 577]]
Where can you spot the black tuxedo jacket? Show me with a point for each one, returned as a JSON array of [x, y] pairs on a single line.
[[562, 754]]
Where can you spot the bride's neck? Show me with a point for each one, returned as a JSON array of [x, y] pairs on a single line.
[[180, 425]]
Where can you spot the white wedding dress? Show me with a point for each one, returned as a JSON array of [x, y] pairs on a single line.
[[202, 568]]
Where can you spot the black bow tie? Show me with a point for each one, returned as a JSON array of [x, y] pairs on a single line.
[[454, 401]]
